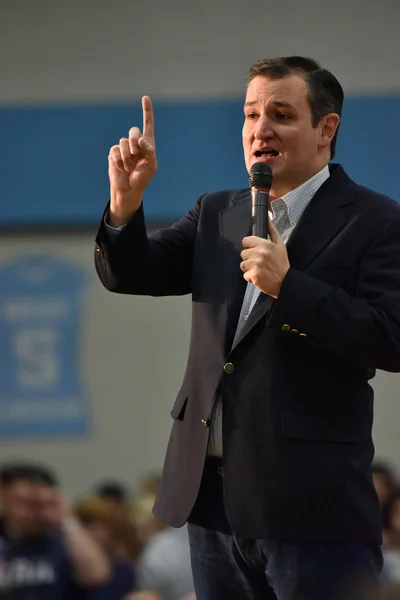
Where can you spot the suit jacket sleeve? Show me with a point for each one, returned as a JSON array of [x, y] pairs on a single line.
[[363, 329], [155, 265]]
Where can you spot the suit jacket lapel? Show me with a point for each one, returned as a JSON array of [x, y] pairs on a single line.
[[321, 221], [235, 224], [260, 309]]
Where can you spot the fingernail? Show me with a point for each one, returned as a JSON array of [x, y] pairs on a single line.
[[135, 150]]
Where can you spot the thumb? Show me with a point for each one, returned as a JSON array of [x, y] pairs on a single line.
[[273, 233]]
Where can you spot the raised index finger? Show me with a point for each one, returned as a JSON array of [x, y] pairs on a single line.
[[148, 118]]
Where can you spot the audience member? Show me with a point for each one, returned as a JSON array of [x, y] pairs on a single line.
[[391, 549], [144, 596], [165, 566], [144, 521], [150, 484], [113, 492], [104, 525], [392, 593], [44, 552], [384, 481]]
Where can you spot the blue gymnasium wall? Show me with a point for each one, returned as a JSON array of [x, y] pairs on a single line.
[[53, 161]]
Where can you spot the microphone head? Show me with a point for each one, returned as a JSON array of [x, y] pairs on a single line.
[[260, 176]]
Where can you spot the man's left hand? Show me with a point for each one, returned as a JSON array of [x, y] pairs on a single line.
[[265, 262]]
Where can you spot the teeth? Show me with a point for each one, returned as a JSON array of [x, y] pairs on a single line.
[[261, 152]]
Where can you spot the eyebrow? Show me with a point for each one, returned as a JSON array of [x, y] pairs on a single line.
[[279, 103]]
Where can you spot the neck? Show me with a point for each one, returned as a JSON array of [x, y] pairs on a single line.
[[280, 188], [12, 528], [14, 531]]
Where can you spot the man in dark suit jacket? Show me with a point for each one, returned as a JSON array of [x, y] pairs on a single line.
[[270, 453]]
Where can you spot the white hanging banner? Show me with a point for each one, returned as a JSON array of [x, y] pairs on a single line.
[[41, 311]]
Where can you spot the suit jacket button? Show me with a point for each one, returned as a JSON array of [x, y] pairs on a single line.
[[295, 331], [206, 422], [303, 335], [286, 327], [229, 368]]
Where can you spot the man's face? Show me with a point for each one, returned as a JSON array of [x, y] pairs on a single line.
[[21, 507], [115, 502], [396, 517], [101, 533], [51, 506], [278, 118]]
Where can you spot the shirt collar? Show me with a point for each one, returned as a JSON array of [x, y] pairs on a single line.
[[295, 201]]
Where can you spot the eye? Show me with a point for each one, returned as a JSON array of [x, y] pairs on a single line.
[[251, 115], [282, 116]]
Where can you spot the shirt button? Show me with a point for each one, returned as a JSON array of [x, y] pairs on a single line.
[[229, 368], [245, 317]]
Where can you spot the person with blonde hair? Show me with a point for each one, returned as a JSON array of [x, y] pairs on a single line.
[[103, 524]]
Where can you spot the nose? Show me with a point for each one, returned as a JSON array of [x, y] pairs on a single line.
[[264, 128]]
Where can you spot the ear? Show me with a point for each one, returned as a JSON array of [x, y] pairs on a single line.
[[328, 127]]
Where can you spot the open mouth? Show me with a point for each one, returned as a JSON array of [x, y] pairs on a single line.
[[270, 154]]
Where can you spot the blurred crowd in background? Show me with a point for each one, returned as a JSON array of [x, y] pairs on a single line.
[[107, 545]]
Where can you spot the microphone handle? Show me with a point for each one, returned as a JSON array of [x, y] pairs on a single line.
[[259, 208]]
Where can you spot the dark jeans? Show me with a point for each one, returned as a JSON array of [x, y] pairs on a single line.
[[226, 567]]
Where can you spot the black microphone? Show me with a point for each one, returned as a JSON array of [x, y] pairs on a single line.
[[260, 180]]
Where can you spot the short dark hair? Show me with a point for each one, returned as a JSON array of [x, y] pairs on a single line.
[[112, 490], [325, 94], [13, 472]]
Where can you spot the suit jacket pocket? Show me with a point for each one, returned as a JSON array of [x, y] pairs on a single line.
[[296, 424], [178, 410]]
